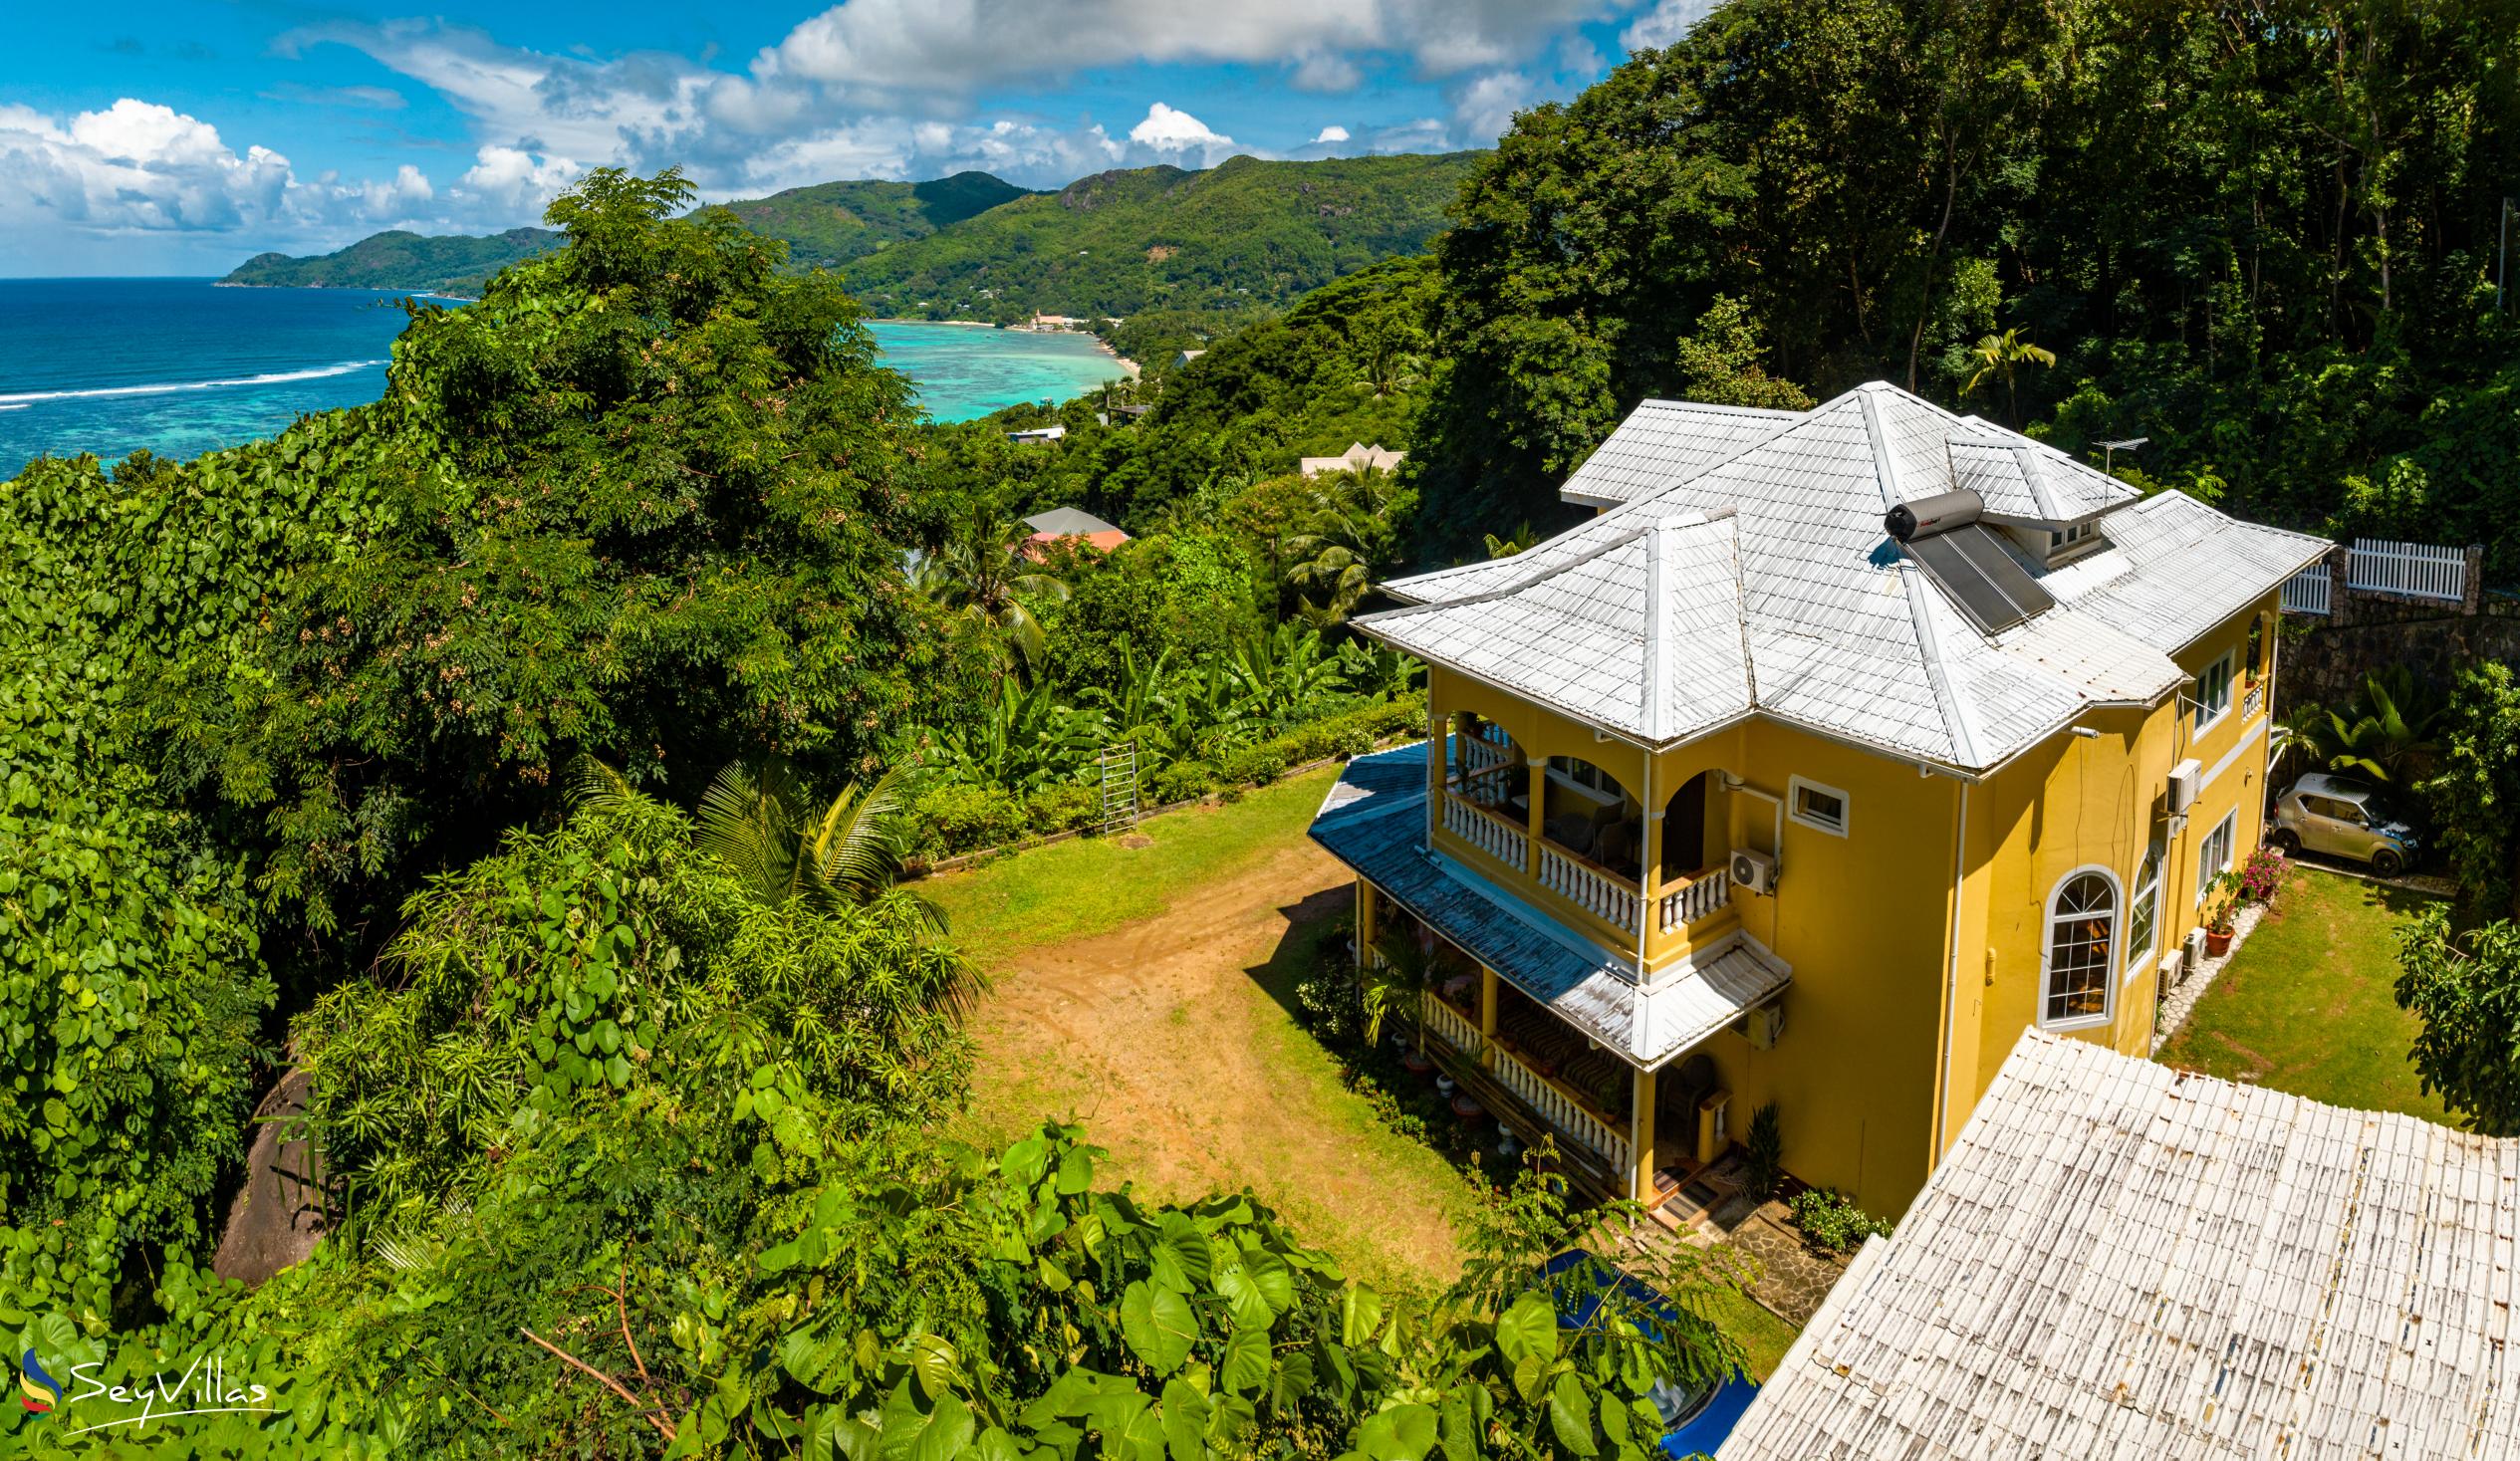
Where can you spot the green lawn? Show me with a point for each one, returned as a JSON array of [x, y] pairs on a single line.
[[2306, 1007], [1089, 886]]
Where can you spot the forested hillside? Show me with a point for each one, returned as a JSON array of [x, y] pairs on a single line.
[[832, 223], [2262, 235], [450, 264], [1117, 243]]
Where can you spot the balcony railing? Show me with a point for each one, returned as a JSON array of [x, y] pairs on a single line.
[[1691, 901], [1449, 1026], [1613, 901], [1556, 1107], [1484, 830], [2250, 702], [1479, 752]]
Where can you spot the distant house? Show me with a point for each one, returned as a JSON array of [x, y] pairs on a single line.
[[1037, 434], [1185, 356], [1053, 323], [1061, 523], [1357, 459], [2120, 1259]]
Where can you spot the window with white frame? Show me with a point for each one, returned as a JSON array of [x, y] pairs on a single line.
[[2144, 910], [1823, 808], [1584, 777], [2080, 949], [2212, 692], [2214, 855]]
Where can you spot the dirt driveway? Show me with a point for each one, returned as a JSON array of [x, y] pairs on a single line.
[[1169, 1039]]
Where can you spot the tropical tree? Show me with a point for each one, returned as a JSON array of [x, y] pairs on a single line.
[[1522, 537], [1351, 525], [2475, 794], [1280, 676], [2389, 730], [2001, 356], [986, 577], [2465, 987], [1027, 740]]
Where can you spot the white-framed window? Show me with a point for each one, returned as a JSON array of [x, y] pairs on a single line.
[[2144, 910], [2080, 949], [2214, 855], [1820, 808], [1590, 780], [2212, 692]]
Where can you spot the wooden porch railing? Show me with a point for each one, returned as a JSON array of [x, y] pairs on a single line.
[[1691, 901], [1448, 1025], [1558, 1109], [1485, 830], [1613, 901]]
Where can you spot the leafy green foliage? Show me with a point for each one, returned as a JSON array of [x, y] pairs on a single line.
[[2262, 238], [828, 224], [2476, 789], [2465, 987], [1118, 243], [1831, 1220], [1763, 1153], [2384, 735], [632, 504], [607, 955], [397, 259]]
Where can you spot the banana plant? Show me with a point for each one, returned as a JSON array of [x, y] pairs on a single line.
[[1027, 741]]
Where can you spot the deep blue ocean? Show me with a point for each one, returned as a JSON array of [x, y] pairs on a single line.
[[178, 367]]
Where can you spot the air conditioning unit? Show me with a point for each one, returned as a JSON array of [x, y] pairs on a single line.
[[2187, 778], [1753, 872], [2174, 968], [2193, 953], [1765, 1025]]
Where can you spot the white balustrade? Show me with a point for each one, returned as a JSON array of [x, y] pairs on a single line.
[[1449, 1026], [2250, 702], [1610, 900], [2311, 590], [1558, 1109], [1484, 830], [1478, 752], [1691, 901]]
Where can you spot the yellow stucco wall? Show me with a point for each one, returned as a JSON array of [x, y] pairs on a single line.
[[1867, 922]]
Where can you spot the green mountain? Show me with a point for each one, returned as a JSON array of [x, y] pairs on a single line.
[[455, 264], [1247, 232], [832, 223]]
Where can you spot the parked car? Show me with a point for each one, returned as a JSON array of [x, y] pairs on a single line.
[[1695, 1418], [2343, 817]]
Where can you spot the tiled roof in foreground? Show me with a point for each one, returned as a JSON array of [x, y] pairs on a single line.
[[1375, 821], [2119, 1260], [1801, 608]]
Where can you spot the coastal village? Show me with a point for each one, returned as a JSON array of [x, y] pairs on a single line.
[[1805, 749]]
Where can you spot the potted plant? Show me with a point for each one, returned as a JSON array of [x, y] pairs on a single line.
[[2223, 905]]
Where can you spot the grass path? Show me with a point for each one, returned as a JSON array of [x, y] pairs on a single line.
[[2306, 1005], [1148, 992]]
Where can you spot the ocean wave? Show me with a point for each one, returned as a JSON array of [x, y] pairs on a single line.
[[22, 399]]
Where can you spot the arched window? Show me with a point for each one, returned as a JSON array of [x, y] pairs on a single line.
[[2144, 910], [2080, 949]]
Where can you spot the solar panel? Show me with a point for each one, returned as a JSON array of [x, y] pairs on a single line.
[[1972, 566]]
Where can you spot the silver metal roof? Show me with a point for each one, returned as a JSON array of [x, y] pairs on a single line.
[[2122, 1260], [1837, 632]]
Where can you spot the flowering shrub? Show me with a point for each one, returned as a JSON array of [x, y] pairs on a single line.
[[2262, 875]]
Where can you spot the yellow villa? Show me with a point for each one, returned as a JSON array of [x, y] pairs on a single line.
[[1840, 746]]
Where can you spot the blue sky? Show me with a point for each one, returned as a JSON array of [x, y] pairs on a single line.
[[147, 137]]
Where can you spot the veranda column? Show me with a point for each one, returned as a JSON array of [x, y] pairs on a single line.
[[1365, 923], [1439, 735], [1539, 774], [1487, 1016], [1640, 1139]]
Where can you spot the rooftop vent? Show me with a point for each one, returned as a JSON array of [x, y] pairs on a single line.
[[1943, 536]]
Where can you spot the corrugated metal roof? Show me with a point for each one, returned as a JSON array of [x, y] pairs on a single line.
[[1840, 636], [2118, 1258], [1375, 821]]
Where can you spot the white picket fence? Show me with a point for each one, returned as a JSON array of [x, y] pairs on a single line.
[[2417, 570], [2310, 590], [2378, 566]]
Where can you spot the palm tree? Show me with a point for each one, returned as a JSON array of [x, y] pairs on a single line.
[[760, 820], [1395, 976], [986, 577], [2003, 355], [1523, 536], [1348, 524]]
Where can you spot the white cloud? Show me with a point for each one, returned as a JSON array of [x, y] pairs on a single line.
[[1664, 24], [515, 181], [1333, 134], [1325, 71], [1169, 131], [1485, 107]]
